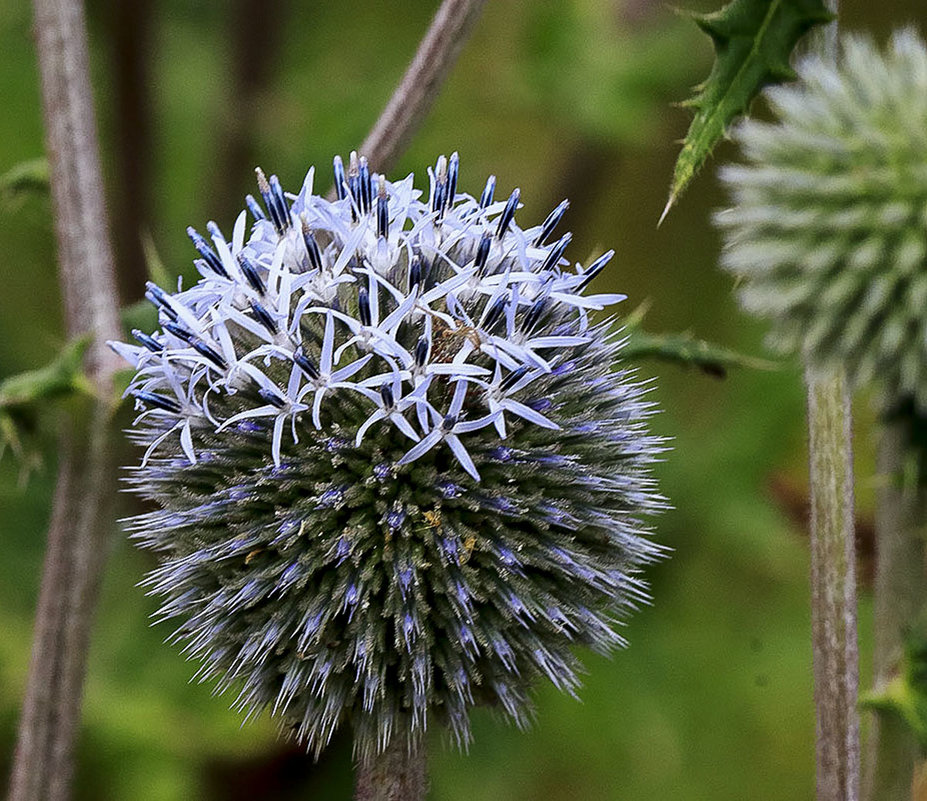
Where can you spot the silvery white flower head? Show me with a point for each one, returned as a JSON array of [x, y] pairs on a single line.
[[397, 469], [827, 231]]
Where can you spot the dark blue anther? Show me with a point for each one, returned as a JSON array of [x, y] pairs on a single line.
[[482, 253], [382, 212], [306, 364], [386, 393], [263, 317], [437, 197], [453, 168], [210, 353], [272, 397], [449, 421], [513, 378], [534, 314], [283, 209], [208, 254], [508, 214], [422, 348], [595, 268], [366, 187], [488, 192], [415, 271], [312, 247], [363, 306], [495, 313], [554, 254], [354, 186], [249, 270], [269, 202], [148, 341], [338, 171], [178, 331], [158, 401], [255, 208], [338, 168], [552, 221]]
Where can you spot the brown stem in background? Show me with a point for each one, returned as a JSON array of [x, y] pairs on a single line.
[[255, 43], [419, 88], [42, 764], [129, 25]]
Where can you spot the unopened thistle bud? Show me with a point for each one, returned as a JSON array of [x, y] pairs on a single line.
[[828, 230], [397, 470]]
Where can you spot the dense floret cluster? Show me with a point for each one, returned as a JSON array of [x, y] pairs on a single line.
[[397, 471]]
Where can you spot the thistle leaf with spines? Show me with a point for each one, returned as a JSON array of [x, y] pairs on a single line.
[[753, 41]]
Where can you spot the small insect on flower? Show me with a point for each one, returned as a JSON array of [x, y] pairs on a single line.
[[397, 469]]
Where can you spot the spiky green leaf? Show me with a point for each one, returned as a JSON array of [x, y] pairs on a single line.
[[753, 41]]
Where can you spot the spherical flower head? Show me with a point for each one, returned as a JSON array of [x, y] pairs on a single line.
[[828, 229], [397, 469]]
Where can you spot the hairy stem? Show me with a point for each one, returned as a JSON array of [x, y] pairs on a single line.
[[833, 586], [42, 764], [900, 595], [420, 86], [397, 774]]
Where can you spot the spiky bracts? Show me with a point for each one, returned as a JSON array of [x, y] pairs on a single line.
[[397, 471], [828, 228]]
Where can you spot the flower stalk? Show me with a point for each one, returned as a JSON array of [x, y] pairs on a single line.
[[833, 585], [397, 774]]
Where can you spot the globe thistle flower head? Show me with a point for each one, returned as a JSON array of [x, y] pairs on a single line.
[[397, 470], [828, 227]]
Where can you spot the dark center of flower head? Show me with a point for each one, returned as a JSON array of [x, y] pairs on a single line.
[[426, 471]]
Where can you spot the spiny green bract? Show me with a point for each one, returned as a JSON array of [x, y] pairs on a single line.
[[828, 227], [398, 471]]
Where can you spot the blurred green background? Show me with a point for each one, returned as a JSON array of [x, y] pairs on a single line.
[[564, 99]]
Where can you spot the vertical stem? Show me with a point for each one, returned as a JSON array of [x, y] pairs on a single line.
[[398, 774], [42, 763], [900, 594], [833, 586]]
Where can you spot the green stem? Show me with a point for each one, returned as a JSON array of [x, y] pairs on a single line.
[[900, 594], [833, 586]]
